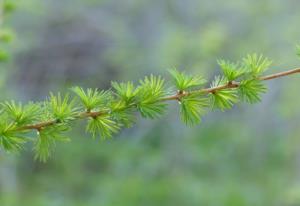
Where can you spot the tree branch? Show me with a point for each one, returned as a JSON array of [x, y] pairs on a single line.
[[280, 74], [231, 85], [95, 114]]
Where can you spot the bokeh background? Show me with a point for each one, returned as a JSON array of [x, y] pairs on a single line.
[[247, 156]]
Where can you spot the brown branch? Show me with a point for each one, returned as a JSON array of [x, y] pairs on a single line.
[[280, 74], [87, 114], [41, 125], [37, 126], [230, 85]]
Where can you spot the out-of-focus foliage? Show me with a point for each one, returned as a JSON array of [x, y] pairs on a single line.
[[248, 156], [298, 50], [6, 35]]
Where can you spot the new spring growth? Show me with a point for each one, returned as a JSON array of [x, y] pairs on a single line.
[[106, 112]]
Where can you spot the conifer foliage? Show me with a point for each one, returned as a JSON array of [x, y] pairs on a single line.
[[108, 111]]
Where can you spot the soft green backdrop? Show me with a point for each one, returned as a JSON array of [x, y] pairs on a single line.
[[247, 156]]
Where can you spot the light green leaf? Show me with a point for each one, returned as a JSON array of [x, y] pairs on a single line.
[[10, 139], [22, 114], [125, 91], [192, 108], [123, 114], [47, 137], [225, 98], [92, 98], [251, 90], [149, 95], [62, 108], [231, 71], [103, 126], [183, 81], [256, 64]]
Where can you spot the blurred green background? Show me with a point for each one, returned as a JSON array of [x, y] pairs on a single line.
[[247, 156]]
